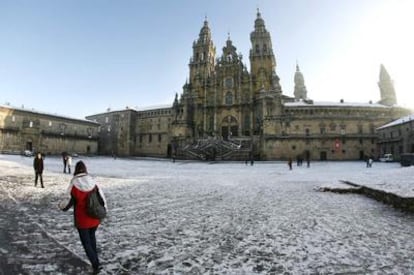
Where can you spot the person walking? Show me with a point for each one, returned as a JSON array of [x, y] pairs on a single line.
[[65, 161], [69, 162], [81, 185], [38, 168]]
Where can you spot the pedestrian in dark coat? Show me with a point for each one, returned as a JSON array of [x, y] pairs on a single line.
[[81, 185], [38, 168], [65, 161]]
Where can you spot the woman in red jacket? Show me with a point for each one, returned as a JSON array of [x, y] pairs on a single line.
[[79, 188]]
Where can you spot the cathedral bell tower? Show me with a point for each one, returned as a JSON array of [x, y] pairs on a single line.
[[386, 86], [262, 59], [203, 60], [300, 91]]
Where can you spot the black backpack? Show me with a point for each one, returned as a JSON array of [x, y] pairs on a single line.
[[95, 205]]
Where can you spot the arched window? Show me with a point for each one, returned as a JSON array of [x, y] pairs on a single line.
[[229, 98]]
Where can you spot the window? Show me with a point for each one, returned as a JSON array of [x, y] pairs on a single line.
[[307, 132], [159, 137], [228, 83], [229, 98], [371, 128], [50, 123], [150, 138]]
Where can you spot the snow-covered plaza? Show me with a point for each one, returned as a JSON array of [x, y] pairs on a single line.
[[208, 218]]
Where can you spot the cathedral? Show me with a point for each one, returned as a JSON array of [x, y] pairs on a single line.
[[224, 100], [227, 111]]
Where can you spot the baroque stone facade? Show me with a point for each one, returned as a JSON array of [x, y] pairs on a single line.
[[22, 129], [224, 108], [224, 100]]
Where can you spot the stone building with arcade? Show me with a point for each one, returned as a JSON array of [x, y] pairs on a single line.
[[229, 111], [24, 129]]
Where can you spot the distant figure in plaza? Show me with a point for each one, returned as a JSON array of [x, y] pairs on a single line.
[[369, 162], [81, 185], [251, 158], [290, 163], [38, 167], [299, 160], [308, 162], [69, 163], [65, 161]]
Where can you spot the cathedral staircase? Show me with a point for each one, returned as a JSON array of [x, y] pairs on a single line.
[[216, 149]]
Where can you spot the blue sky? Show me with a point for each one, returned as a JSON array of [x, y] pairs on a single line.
[[78, 58]]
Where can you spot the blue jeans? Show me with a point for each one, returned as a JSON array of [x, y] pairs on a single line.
[[88, 240]]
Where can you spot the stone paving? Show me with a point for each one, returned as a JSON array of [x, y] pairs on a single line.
[[170, 219]]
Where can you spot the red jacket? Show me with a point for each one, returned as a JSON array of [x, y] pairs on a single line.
[[80, 186], [82, 220]]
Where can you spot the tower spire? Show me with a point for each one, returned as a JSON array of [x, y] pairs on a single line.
[[300, 91], [203, 60], [386, 85], [262, 59]]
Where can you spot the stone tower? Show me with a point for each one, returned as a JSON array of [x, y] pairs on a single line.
[[262, 59], [265, 82], [300, 91], [202, 65], [386, 86], [203, 60]]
